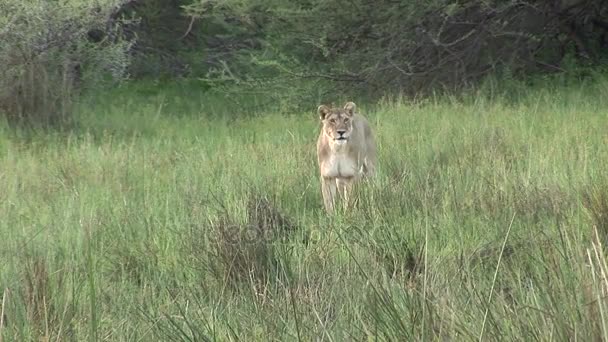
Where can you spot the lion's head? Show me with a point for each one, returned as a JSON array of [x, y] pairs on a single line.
[[337, 122]]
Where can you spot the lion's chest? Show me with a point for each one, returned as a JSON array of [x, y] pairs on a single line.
[[339, 165]]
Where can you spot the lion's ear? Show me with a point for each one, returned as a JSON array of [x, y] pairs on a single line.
[[323, 110], [350, 108]]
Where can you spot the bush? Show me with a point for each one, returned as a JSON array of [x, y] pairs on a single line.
[[401, 46], [50, 50]]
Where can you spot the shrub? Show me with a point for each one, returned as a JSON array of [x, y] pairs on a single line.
[[400, 46], [50, 49]]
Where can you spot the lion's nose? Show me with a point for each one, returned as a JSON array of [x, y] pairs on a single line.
[[341, 132]]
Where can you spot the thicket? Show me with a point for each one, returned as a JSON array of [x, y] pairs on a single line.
[[388, 45], [290, 51], [50, 50]]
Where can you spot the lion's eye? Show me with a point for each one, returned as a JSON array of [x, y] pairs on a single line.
[[345, 120], [333, 121]]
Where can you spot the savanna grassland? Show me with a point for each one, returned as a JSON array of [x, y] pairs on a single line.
[[168, 215]]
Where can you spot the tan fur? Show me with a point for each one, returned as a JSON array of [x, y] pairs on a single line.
[[343, 162]]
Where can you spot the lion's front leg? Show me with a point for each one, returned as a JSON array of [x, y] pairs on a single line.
[[345, 188], [329, 188]]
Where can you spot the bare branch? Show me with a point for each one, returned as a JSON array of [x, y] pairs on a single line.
[[189, 28]]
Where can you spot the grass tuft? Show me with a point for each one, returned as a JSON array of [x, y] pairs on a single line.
[[248, 252]]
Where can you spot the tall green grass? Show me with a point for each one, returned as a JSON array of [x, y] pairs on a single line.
[[168, 214]]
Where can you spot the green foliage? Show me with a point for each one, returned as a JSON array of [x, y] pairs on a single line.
[[161, 42], [293, 52], [48, 55], [121, 230], [370, 48]]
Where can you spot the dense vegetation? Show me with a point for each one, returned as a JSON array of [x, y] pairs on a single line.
[[49, 53], [375, 46], [288, 52], [164, 218]]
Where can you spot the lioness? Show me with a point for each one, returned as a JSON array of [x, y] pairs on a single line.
[[346, 151]]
